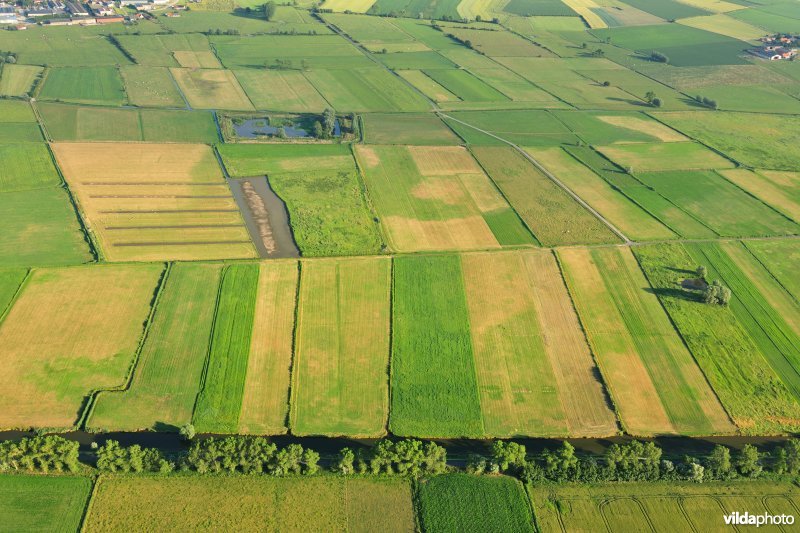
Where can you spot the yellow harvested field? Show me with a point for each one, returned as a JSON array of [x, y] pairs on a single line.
[[287, 90], [265, 404], [715, 6], [487, 9], [627, 378], [155, 201], [391, 48], [485, 195], [584, 9], [211, 89], [197, 59], [647, 126], [428, 86], [340, 379], [443, 160], [535, 373], [71, 331], [770, 186], [410, 234], [356, 6], [725, 25]]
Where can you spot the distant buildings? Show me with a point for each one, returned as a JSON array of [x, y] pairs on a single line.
[[776, 47], [8, 15]]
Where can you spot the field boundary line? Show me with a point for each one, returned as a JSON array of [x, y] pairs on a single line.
[[178, 87], [292, 392], [389, 389], [548, 174], [89, 501], [4, 313], [364, 192], [753, 196], [768, 270], [608, 395], [95, 394], [682, 338]]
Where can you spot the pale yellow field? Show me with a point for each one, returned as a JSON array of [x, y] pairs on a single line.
[[211, 89], [583, 8], [340, 379], [196, 59], [535, 373], [715, 6], [725, 25], [649, 127], [265, 403], [770, 186], [72, 330], [412, 46], [282, 90], [428, 86], [627, 378], [17, 80], [469, 233], [356, 6], [485, 8], [443, 160], [625, 215], [155, 201]]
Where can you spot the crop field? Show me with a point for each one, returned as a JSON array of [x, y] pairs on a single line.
[[66, 46], [365, 89], [721, 206], [437, 198], [89, 85], [18, 80], [167, 376], [515, 87], [529, 385], [459, 502], [644, 157], [10, 281], [26, 166], [151, 87], [427, 86], [51, 365], [539, 8], [155, 201], [355, 6], [642, 506], [43, 503], [340, 382], [725, 25], [464, 85], [414, 8], [220, 400], [196, 59], [751, 392], [422, 59], [408, 129], [525, 128], [499, 43], [551, 214], [318, 51], [667, 9], [159, 50], [322, 191], [326, 503], [759, 141], [632, 220], [77, 123], [433, 378], [265, 404], [211, 89], [753, 98], [653, 379], [282, 90]]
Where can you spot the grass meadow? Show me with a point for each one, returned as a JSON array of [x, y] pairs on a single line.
[[159, 50], [70, 46], [281, 90], [460, 502], [407, 129], [43, 503], [167, 376], [779, 257], [151, 87], [51, 365], [340, 381], [88, 85], [10, 283], [18, 80], [776, 188], [27, 166], [365, 89], [211, 89], [433, 380], [646, 157], [219, 403]]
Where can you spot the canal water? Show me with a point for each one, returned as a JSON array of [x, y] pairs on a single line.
[[265, 216]]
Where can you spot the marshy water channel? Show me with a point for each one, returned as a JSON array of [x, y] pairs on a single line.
[[265, 216]]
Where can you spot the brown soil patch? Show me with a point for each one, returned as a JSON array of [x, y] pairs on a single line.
[[368, 156], [446, 190]]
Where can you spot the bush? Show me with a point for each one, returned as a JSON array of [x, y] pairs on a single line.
[[717, 294], [658, 57], [408, 457], [111, 457]]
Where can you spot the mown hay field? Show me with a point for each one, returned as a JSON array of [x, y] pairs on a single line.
[[653, 379], [151, 87], [170, 366], [433, 380], [604, 127], [720, 205], [196, 59], [158, 50], [43, 503], [325, 503], [211, 89], [281, 90], [552, 215], [18, 80], [407, 129], [536, 376], [644, 157], [365, 89], [26, 166], [778, 189], [78, 123], [460, 502], [88, 85], [219, 403], [724, 25], [643, 506], [51, 364], [466, 86], [66, 46], [749, 389], [340, 380], [624, 214], [155, 201], [437, 198]]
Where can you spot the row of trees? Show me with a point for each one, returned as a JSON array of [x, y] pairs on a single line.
[[40, 454]]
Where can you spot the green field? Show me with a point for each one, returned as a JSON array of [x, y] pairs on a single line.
[[282, 90], [415, 8], [158, 50], [365, 89], [10, 283], [167, 376], [525, 128], [151, 87], [246, 503], [18, 80], [408, 128], [667, 9], [646, 157], [220, 400], [466, 86], [539, 8], [779, 257], [460, 502], [72, 46], [89, 85], [43, 503], [26, 166], [340, 384], [434, 389]]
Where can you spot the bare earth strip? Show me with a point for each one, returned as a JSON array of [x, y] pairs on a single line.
[[582, 392], [266, 391], [71, 331], [342, 348], [630, 384]]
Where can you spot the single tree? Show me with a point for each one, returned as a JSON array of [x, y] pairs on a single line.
[[187, 432], [702, 272], [656, 102], [269, 10], [748, 462], [344, 464], [718, 462]]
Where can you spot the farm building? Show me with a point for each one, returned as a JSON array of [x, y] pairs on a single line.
[[8, 15]]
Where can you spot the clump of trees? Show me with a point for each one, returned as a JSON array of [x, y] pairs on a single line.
[[248, 455], [111, 457], [405, 457], [707, 102], [658, 57], [269, 10], [651, 98], [39, 454], [324, 129], [717, 294]]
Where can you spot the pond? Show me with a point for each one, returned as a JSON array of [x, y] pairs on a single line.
[[260, 127]]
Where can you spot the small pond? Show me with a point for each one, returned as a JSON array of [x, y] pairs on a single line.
[[260, 127]]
